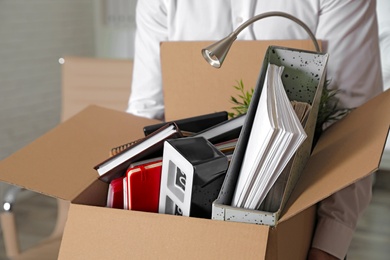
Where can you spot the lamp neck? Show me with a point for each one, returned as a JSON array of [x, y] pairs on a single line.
[[281, 14]]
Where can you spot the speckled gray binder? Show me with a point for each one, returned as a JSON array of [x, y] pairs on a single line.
[[303, 78]]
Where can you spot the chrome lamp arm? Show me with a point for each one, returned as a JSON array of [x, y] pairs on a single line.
[[215, 54]]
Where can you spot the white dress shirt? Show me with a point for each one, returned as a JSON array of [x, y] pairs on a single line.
[[383, 11], [349, 33]]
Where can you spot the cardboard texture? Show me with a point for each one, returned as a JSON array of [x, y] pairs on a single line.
[[91, 232], [349, 150], [197, 88], [53, 163], [60, 164]]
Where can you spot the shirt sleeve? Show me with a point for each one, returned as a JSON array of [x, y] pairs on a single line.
[[383, 10], [349, 30], [146, 98], [338, 215], [351, 33]]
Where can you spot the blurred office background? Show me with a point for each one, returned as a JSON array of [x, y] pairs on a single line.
[[34, 35]]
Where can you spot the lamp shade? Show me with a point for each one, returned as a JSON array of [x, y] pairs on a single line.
[[215, 54]]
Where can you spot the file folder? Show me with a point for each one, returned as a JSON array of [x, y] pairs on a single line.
[[303, 79]]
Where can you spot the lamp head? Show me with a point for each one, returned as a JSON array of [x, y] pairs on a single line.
[[215, 53]]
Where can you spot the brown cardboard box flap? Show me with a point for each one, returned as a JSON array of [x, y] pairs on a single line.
[[192, 84], [98, 233], [348, 151], [61, 162]]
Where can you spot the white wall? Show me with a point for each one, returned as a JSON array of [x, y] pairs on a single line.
[[115, 28]]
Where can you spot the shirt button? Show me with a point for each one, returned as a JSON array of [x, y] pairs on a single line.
[[239, 19]]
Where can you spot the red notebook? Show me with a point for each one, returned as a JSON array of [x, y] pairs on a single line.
[[143, 186], [115, 194]]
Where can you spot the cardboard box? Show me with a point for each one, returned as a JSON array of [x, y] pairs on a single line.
[[60, 164], [192, 84]]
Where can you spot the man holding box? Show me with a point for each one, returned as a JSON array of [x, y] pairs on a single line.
[[349, 33]]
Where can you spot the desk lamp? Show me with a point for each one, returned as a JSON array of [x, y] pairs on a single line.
[[215, 54]]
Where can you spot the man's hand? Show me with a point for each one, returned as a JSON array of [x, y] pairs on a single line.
[[317, 254]]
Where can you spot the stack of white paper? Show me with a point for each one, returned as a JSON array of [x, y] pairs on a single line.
[[275, 136]]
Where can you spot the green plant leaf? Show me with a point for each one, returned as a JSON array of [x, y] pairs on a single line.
[[328, 108]]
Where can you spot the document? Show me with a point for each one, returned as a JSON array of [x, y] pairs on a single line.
[[148, 147], [224, 131], [193, 124], [275, 136]]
